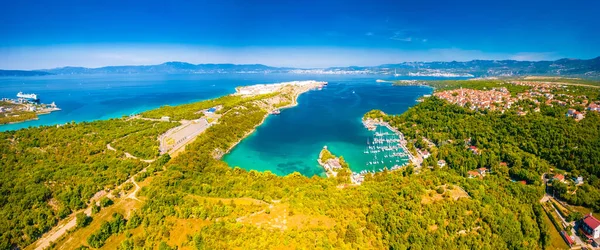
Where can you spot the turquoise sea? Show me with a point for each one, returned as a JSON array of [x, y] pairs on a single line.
[[330, 117], [285, 143]]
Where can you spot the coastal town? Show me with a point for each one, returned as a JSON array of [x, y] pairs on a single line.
[[539, 93], [25, 107]]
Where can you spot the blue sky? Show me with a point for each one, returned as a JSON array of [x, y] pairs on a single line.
[[46, 34]]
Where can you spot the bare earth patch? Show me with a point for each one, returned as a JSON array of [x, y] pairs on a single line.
[[451, 192]]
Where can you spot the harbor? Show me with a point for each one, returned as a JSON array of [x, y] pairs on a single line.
[[24, 108], [290, 142], [387, 148]]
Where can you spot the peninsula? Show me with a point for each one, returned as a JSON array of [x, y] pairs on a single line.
[[26, 107]]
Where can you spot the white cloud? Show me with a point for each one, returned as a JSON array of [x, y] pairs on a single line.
[[534, 56], [403, 39], [403, 36], [369, 34]]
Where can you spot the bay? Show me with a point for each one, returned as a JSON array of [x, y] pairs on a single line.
[[284, 144]]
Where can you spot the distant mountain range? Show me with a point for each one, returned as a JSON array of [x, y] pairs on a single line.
[[170, 68], [23, 73], [476, 68]]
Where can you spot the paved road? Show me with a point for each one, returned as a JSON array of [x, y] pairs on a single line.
[[182, 135]]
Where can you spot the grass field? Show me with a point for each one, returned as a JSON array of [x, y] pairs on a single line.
[[556, 241], [582, 210]]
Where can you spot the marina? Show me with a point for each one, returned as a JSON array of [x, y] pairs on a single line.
[[289, 142], [387, 149]]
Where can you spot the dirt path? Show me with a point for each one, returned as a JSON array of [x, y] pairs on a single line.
[[133, 194], [271, 206], [128, 155], [71, 222], [60, 230]]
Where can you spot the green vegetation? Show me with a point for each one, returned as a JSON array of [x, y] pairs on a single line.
[[105, 202], [48, 172], [473, 84], [117, 225], [82, 220], [144, 144], [343, 174], [326, 155], [195, 200], [385, 211], [18, 116], [530, 145], [193, 110]]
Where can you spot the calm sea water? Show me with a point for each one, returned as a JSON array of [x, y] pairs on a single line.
[[285, 143]]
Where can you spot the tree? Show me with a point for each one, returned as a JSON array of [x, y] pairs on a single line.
[[105, 202], [82, 219]]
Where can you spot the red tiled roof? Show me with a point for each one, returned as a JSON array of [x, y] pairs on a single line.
[[591, 221], [473, 173], [559, 177], [523, 182]]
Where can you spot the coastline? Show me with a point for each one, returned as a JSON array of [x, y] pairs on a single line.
[[329, 173], [17, 122], [291, 105]]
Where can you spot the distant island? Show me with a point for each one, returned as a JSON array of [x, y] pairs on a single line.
[[586, 68]]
